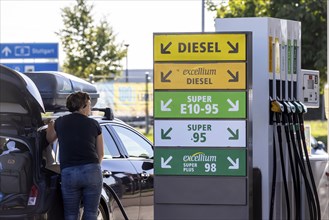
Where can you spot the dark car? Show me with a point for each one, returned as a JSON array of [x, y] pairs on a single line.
[[318, 147], [31, 189]]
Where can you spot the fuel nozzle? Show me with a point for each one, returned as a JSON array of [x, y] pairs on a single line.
[[304, 108], [298, 107], [276, 110], [298, 110], [289, 108], [276, 106], [301, 113]]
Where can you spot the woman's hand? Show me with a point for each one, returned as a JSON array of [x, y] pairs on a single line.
[[100, 147], [51, 133]]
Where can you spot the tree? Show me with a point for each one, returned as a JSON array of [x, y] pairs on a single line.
[[89, 48], [311, 13]]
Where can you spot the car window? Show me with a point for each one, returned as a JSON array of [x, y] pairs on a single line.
[[110, 148], [135, 145], [51, 153]]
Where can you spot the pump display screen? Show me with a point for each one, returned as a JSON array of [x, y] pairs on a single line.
[[310, 88], [310, 84]]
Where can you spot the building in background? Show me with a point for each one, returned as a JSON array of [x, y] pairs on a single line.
[[129, 100]]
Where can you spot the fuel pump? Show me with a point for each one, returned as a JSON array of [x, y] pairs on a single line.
[[289, 190]]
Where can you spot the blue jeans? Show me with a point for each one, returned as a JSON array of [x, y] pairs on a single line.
[[81, 182]]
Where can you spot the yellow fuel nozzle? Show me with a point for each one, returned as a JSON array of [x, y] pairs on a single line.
[[276, 106]]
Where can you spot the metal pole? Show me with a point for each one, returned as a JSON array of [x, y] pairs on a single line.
[[327, 78], [147, 103], [127, 45], [202, 15]]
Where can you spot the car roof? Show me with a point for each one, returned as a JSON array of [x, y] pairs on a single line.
[[95, 115]]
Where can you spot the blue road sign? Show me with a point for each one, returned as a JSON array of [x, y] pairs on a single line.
[[28, 67], [28, 50]]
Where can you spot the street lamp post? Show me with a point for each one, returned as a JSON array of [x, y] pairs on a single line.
[[147, 77], [127, 45], [202, 15]]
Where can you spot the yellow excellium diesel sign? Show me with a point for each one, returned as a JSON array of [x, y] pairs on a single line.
[[200, 75], [200, 47]]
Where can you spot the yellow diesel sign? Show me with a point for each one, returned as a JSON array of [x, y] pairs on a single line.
[[200, 47], [200, 75]]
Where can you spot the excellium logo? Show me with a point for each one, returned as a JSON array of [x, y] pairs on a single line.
[[199, 157]]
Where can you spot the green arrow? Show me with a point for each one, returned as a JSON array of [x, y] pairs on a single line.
[[235, 136], [164, 135]]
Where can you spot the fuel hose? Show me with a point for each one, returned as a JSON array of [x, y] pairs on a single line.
[[308, 164], [276, 121], [277, 109], [293, 166], [116, 198]]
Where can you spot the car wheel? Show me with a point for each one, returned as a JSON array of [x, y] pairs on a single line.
[[101, 214]]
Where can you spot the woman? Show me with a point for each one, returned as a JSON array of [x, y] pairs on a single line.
[[81, 152]]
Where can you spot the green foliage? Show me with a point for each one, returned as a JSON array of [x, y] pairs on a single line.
[[311, 13], [89, 48], [319, 130]]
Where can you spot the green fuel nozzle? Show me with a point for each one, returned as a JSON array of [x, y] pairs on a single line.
[[304, 108], [298, 106]]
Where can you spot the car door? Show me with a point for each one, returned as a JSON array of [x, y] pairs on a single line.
[[140, 154], [124, 179]]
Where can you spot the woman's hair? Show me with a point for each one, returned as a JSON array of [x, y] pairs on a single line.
[[76, 101]]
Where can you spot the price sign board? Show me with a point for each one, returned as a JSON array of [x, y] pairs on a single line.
[[200, 46], [200, 133], [200, 162], [200, 76], [199, 104]]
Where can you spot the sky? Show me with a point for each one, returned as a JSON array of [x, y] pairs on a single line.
[[133, 22]]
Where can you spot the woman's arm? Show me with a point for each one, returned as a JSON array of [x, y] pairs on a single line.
[[51, 133], [100, 147]]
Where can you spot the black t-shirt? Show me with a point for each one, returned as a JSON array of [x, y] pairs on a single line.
[[77, 139]]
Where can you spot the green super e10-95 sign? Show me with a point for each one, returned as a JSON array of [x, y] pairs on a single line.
[[200, 104]]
